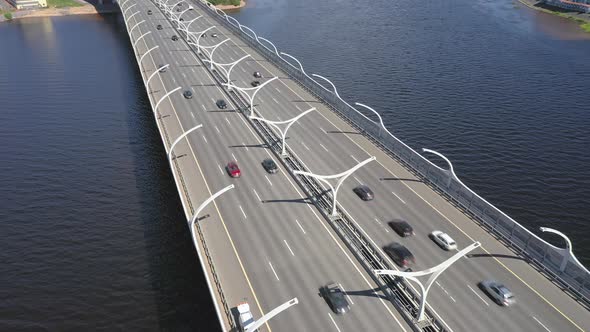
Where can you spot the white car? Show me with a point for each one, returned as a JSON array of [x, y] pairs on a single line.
[[246, 318], [443, 240], [500, 293]]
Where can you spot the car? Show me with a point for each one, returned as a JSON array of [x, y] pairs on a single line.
[[257, 74], [443, 240], [333, 295], [270, 166], [214, 35], [221, 104], [181, 19], [178, 9], [246, 319], [233, 170], [399, 254], [401, 227], [175, 38], [159, 27], [187, 94], [190, 8], [162, 68], [149, 12], [498, 292], [203, 35], [364, 192], [255, 83]]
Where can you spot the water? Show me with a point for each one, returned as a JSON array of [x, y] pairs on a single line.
[[92, 231], [93, 237]]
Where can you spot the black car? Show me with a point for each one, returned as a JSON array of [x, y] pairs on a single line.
[[221, 104], [401, 227], [255, 83], [270, 165], [150, 12], [181, 19], [159, 27], [335, 298], [187, 94], [177, 9], [162, 69], [257, 74], [204, 35], [174, 38], [399, 254], [364, 192]]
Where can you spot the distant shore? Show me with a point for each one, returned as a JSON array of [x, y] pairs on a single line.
[[583, 19], [85, 8]]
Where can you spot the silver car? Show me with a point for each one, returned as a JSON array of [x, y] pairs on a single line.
[[500, 293], [443, 240]]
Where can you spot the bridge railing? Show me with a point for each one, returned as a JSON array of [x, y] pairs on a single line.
[[574, 278]]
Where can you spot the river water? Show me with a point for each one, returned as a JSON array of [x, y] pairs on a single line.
[[91, 224]]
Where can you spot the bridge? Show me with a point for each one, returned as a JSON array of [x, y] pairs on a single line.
[[274, 239]]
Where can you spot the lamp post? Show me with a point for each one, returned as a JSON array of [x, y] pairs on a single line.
[[189, 24], [227, 72], [135, 26], [126, 10], [129, 18], [182, 12], [271, 314], [199, 38], [213, 50], [161, 99], [277, 123], [433, 272], [191, 225], [140, 38], [567, 252], [450, 172], [181, 137], [146, 53], [342, 176], [256, 89], [155, 72]]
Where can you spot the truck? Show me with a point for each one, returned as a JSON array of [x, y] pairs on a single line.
[[246, 319]]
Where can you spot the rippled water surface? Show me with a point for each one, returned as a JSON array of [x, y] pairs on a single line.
[[91, 225]]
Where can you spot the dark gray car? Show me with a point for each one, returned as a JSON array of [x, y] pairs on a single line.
[[399, 254], [187, 94], [364, 192], [221, 104], [335, 298], [270, 165], [401, 227]]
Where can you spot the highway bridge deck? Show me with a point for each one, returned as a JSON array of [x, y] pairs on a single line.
[[267, 241]]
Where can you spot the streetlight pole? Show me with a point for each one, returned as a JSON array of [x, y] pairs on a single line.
[[342, 176], [567, 252], [433, 272], [146, 53], [189, 24], [126, 10], [155, 72], [129, 18], [140, 38], [213, 50], [450, 172], [277, 123], [199, 38], [227, 72], [256, 89], [181, 137], [166, 95], [271, 314], [198, 249], [135, 26]]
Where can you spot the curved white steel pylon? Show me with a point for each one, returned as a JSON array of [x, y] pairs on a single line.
[[271, 44], [189, 24], [201, 34], [450, 172], [255, 35], [163, 97], [135, 26], [215, 48], [225, 71], [198, 249], [277, 123], [128, 18], [182, 12], [434, 273], [342, 176], [181, 137], [256, 89], [299, 63], [154, 74], [271, 314], [146, 53], [140, 38], [126, 10], [567, 251]]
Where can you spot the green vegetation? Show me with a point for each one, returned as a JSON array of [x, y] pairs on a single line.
[[62, 3], [225, 2], [8, 16], [585, 27]]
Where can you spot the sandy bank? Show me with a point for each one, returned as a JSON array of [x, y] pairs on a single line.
[[87, 9], [230, 7], [582, 18]]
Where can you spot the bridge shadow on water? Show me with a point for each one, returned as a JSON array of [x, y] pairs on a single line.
[[177, 282]]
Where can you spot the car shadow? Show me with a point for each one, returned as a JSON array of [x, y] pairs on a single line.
[[343, 132], [263, 146], [367, 293], [305, 200]]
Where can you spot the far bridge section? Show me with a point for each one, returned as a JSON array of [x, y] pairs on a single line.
[[261, 240]]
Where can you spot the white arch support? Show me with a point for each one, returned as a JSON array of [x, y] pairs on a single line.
[[140, 38], [130, 16], [450, 172], [199, 39], [342, 176], [198, 249], [126, 10], [146, 53], [163, 97], [295, 59], [567, 252], [255, 35], [381, 124], [189, 24], [181, 137], [121, 5], [271, 44], [256, 89], [215, 48], [227, 72], [277, 123], [135, 26], [271, 314], [434, 273], [182, 12], [155, 72]]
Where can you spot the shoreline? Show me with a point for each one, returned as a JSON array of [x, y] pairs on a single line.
[[582, 19], [86, 9]]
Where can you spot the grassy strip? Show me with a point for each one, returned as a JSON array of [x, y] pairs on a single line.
[[8, 16], [63, 3], [585, 27], [225, 2]]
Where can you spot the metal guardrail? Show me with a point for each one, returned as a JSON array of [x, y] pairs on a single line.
[[542, 255]]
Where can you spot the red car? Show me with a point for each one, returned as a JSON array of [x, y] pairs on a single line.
[[233, 169]]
